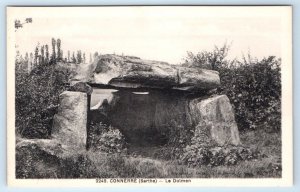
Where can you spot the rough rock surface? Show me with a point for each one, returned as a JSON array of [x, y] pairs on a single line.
[[215, 117], [47, 158], [69, 124], [133, 72]]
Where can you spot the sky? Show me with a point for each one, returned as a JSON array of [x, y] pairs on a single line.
[[155, 33]]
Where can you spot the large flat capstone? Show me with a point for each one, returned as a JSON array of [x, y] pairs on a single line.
[[133, 72], [69, 126]]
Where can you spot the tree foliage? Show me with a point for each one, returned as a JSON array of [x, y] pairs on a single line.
[[253, 87], [53, 50], [96, 54], [69, 57], [36, 55], [59, 53], [73, 58], [37, 92], [37, 98], [46, 53], [84, 59], [208, 59], [79, 56]]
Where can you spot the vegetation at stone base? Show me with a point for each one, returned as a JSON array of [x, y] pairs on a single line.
[[230, 155], [253, 86], [37, 99], [202, 150], [106, 139], [91, 164]]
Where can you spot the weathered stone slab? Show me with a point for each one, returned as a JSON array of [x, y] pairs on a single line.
[[195, 79], [133, 72], [69, 125], [215, 120]]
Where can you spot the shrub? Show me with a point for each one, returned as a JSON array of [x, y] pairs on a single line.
[[198, 155], [253, 87], [37, 97], [207, 59], [107, 139]]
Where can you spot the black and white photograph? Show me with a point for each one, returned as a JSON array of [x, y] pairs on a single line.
[[149, 95]]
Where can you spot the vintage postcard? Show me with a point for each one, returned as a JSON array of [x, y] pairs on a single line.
[[149, 95]]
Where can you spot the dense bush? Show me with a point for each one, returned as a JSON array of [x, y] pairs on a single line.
[[255, 90], [198, 155], [106, 139], [37, 95], [202, 150], [253, 87]]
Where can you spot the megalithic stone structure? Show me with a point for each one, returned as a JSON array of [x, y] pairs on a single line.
[[168, 101]]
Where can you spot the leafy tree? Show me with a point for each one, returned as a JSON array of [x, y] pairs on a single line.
[[20, 63], [59, 56], [31, 61], [43, 54], [96, 54], [36, 55], [26, 58], [79, 57], [83, 57], [26, 61], [91, 58], [73, 58], [69, 56], [53, 58], [39, 59], [46, 53]]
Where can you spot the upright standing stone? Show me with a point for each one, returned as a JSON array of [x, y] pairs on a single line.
[[214, 119], [70, 123]]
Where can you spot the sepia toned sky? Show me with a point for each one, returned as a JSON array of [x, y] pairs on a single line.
[[157, 33]]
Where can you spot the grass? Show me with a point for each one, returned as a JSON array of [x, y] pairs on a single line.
[[138, 166], [88, 164]]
